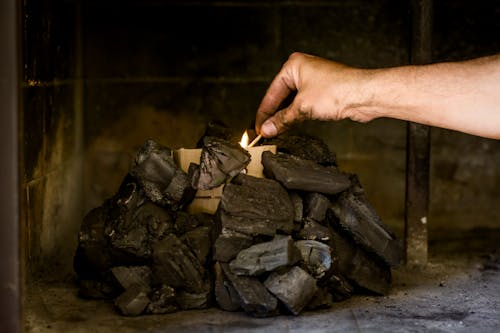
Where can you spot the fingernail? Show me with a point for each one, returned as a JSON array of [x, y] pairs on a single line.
[[269, 129]]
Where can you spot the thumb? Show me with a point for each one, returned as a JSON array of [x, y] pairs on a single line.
[[280, 121]]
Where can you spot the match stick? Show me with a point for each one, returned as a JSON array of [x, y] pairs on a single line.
[[254, 142]]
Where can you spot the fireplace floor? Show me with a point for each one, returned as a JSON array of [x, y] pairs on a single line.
[[457, 291]]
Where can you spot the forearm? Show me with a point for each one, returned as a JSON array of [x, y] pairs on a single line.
[[463, 96]]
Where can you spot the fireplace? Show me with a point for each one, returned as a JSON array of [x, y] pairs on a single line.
[[98, 78]]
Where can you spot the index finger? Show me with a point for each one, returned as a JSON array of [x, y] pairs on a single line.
[[281, 86]]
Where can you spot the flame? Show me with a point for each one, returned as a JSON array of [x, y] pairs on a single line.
[[244, 140]]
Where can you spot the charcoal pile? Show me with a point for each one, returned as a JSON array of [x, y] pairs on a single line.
[[300, 239]]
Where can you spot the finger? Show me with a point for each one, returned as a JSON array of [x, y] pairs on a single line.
[[282, 120], [280, 88]]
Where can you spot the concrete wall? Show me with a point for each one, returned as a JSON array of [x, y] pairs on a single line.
[[163, 69], [51, 127]]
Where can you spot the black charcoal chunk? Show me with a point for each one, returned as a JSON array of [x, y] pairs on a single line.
[[229, 243], [226, 296], [266, 257], [185, 222], [321, 300], [133, 301], [162, 301], [175, 265], [317, 257], [131, 244], [295, 288], [251, 226], [128, 237], [101, 288], [133, 275], [299, 174], [339, 287], [218, 129], [255, 299], [305, 147], [352, 216], [191, 301], [298, 206], [315, 206], [198, 240], [312, 230], [92, 255], [257, 203], [157, 220], [358, 267], [162, 180], [220, 161]]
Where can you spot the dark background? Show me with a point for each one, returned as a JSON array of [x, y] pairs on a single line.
[[99, 77]]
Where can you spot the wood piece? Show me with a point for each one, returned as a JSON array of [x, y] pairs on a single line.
[[220, 161], [265, 257], [255, 299], [317, 257], [295, 288], [133, 301], [162, 180], [175, 265], [305, 175]]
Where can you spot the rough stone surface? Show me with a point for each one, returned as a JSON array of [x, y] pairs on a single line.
[[299, 174], [265, 257], [295, 288]]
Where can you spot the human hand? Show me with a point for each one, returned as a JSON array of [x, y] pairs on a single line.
[[326, 90]]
